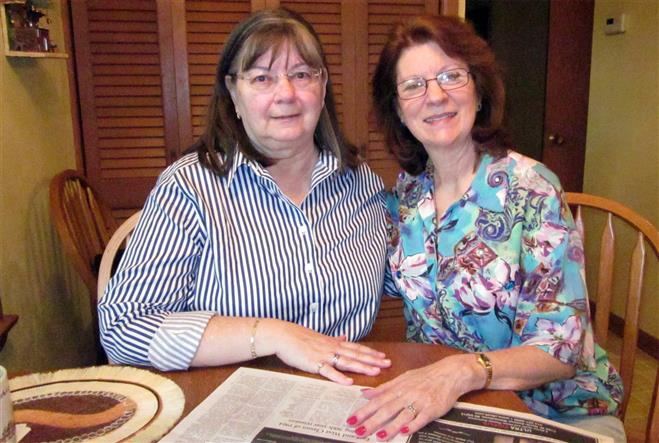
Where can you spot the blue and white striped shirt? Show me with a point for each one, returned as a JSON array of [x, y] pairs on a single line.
[[237, 246]]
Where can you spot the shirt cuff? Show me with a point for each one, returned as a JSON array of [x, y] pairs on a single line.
[[176, 341]]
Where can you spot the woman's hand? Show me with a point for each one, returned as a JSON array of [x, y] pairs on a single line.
[[313, 352], [413, 399]]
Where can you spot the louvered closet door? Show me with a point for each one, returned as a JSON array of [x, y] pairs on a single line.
[[381, 16], [325, 17], [208, 25], [145, 72], [120, 87]]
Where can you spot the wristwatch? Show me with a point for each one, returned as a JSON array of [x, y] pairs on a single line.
[[485, 362]]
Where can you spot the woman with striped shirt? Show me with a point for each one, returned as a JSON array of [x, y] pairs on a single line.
[[269, 239]]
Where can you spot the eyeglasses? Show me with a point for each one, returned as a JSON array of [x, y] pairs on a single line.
[[418, 86], [299, 78]]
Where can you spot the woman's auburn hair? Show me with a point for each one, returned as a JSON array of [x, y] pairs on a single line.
[[459, 41], [224, 134]]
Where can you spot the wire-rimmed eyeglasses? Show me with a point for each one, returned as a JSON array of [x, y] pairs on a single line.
[[299, 78], [418, 86]]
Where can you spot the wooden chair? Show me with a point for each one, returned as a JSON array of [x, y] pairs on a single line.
[[390, 322], [109, 260], [118, 239], [84, 225], [645, 232], [7, 321]]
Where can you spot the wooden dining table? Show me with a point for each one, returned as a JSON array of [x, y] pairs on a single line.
[[198, 383]]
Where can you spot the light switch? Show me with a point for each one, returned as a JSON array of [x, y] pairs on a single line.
[[615, 24]]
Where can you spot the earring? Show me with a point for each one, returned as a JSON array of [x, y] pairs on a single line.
[[237, 115], [479, 107]]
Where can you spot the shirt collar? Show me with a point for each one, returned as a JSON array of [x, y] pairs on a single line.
[[489, 188], [491, 175], [239, 161], [326, 165]]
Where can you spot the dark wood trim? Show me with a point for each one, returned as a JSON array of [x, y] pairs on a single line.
[[446, 7], [361, 79], [73, 84], [349, 67], [168, 76], [646, 342], [85, 90], [257, 5], [6, 323], [182, 83]]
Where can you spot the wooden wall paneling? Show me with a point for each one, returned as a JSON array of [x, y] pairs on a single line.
[[208, 25], [119, 76]]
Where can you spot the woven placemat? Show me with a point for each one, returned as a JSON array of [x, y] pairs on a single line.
[[100, 403]]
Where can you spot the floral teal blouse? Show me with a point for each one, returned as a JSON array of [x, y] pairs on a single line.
[[503, 267]]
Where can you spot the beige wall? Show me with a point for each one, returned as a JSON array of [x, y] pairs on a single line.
[[623, 123], [36, 282]]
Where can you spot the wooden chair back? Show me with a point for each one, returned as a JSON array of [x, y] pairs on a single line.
[[84, 225], [645, 233], [118, 239], [390, 322], [7, 321]]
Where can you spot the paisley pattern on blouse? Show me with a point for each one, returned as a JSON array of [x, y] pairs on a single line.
[[503, 267]]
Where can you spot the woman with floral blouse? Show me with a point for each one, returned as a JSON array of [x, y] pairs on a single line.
[[482, 247]]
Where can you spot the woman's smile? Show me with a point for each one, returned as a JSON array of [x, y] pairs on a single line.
[[440, 118]]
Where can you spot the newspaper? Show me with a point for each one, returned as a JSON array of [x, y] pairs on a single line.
[[255, 405]]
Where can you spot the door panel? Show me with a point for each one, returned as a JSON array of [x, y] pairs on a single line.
[[120, 89], [568, 82], [207, 28], [547, 80]]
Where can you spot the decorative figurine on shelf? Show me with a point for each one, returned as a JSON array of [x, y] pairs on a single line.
[[25, 34]]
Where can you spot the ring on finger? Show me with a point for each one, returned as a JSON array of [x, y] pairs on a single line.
[[335, 360], [319, 366], [412, 409]]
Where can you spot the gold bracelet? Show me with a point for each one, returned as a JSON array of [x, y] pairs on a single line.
[[252, 339], [485, 362]]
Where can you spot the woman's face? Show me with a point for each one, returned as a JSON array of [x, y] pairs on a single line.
[[280, 121], [439, 119]]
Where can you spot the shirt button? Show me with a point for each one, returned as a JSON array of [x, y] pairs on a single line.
[[303, 230], [308, 268], [314, 307]]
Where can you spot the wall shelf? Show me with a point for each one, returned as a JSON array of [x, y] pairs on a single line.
[[35, 54], [5, 24]]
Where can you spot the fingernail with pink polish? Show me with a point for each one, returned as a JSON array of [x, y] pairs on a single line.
[[404, 430], [381, 434], [360, 431], [352, 420]]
